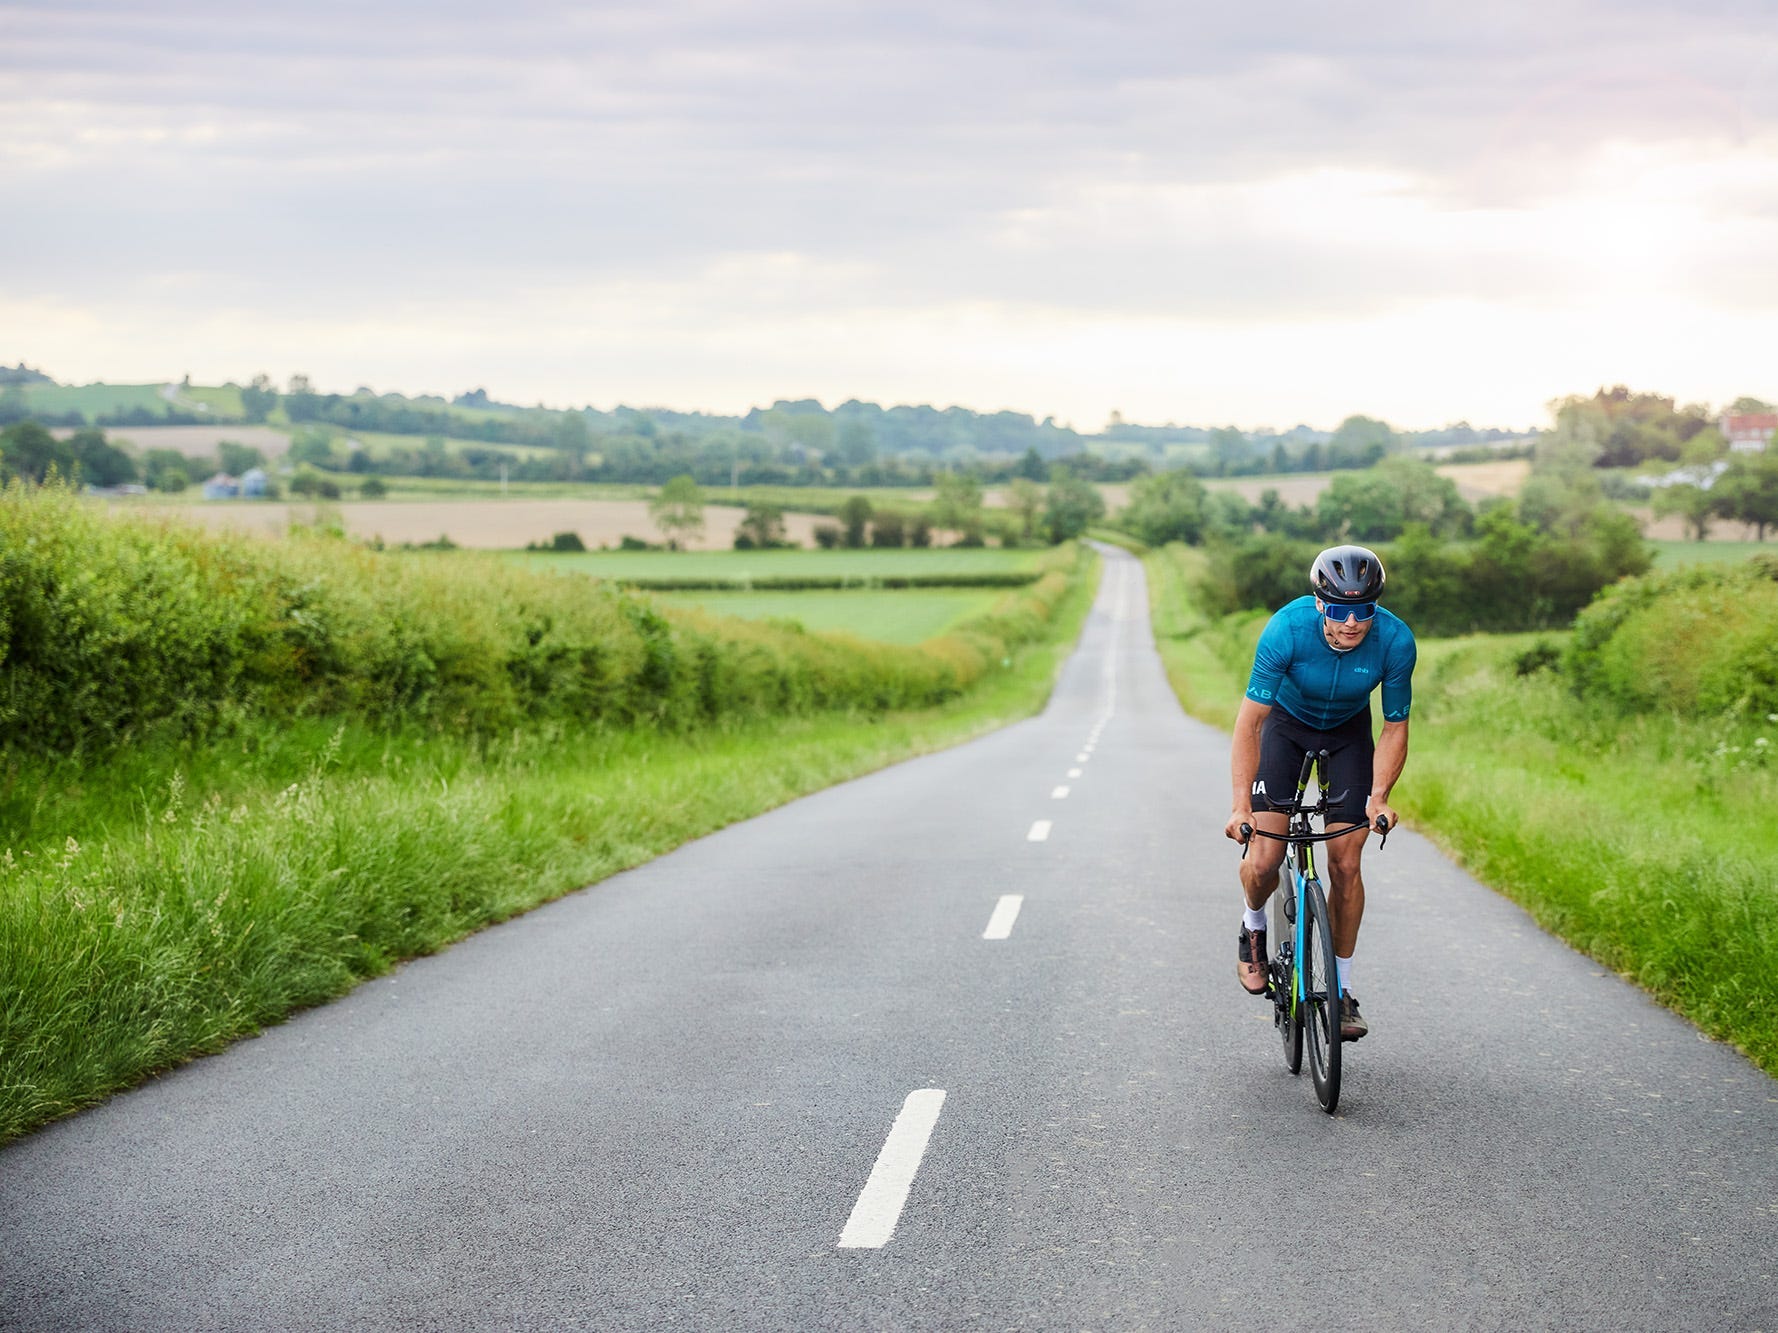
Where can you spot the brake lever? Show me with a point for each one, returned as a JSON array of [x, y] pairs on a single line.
[[1382, 826], [1246, 840]]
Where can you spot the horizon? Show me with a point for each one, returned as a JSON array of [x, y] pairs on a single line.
[[1176, 213], [645, 408]]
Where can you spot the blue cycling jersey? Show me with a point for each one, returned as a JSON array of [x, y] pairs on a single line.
[[1295, 668]]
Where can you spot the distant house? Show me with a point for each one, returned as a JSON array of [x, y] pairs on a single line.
[[254, 484], [1749, 432], [222, 487]]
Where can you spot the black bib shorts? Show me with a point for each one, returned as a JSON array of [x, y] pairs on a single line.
[[1350, 748]]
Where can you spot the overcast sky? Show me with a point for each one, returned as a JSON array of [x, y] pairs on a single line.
[[1183, 211]]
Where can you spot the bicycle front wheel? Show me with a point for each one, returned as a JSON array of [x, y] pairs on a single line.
[[1320, 1006], [1286, 1015]]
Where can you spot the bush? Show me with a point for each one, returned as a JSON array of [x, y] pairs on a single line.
[[1703, 639], [1255, 573]]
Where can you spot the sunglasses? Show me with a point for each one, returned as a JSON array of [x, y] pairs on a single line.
[[1341, 612]]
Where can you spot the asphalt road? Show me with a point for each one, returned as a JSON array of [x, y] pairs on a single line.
[[662, 1101]]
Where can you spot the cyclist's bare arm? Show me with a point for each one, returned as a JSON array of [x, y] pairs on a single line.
[[1244, 765], [1386, 766]]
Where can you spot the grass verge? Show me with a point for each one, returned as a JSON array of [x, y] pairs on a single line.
[[1644, 842], [195, 913]]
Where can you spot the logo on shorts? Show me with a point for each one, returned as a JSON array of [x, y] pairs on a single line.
[[1259, 787]]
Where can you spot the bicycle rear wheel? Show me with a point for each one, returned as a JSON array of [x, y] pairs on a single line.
[[1320, 1009], [1286, 1016]]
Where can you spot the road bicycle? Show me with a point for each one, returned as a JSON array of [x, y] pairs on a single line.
[[1302, 978]]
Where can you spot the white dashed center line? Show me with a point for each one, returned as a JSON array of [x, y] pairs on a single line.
[[1074, 772], [1040, 831], [1082, 757], [886, 1192], [1006, 911], [1059, 794]]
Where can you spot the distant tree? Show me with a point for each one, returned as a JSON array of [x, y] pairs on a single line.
[[678, 510], [888, 529], [1748, 491], [171, 480], [1379, 503], [259, 398], [101, 463], [920, 532], [854, 515], [375, 488], [1362, 439], [1167, 507], [1691, 503], [1227, 515], [306, 482], [238, 458], [762, 527], [313, 445], [31, 452], [828, 535], [1619, 428], [1750, 405], [1074, 503], [958, 505], [157, 461], [1031, 465], [1025, 498]]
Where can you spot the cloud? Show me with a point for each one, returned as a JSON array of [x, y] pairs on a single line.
[[700, 168]]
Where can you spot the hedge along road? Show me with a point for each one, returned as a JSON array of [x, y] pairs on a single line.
[[957, 1042]]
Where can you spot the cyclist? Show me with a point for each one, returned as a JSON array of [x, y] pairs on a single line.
[[1317, 662]]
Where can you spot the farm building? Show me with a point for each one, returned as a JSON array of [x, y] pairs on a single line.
[[1749, 432]]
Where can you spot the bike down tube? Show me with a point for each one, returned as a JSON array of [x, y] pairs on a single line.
[[1316, 763]]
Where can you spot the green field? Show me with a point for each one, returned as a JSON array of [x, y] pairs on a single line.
[[223, 401], [93, 399], [904, 615], [740, 566], [1671, 555]]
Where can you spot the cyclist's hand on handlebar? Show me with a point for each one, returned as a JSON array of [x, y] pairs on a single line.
[[1240, 826], [1375, 809]]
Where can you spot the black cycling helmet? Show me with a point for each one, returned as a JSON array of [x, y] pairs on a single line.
[[1347, 574]]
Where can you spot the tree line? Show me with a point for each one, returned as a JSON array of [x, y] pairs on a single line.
[[1507, 564], [29, 450]]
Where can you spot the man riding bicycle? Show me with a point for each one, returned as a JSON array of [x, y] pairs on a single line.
[[1317, 662]]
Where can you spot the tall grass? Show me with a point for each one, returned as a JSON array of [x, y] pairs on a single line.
[[1643, 839]]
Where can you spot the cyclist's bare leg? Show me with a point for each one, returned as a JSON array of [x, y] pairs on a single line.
[[1345, 898], [1259, 870]]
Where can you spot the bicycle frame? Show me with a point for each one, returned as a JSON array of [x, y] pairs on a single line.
[[1299, 861]]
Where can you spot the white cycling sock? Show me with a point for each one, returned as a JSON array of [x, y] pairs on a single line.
[[1255, 919], [1344, 967]]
